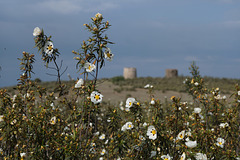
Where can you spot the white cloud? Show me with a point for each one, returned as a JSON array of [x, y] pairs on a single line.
[[232, 23], [191, 58], [226, 1], [72, 6], [60, 6]]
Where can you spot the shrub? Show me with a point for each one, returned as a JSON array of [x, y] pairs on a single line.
[[73, 123]]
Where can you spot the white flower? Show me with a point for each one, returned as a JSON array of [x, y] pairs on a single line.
[[106, 142], [189, 134], [53, 120], [1, 118], [121, 105], [13, 122], [23, 155], [108, 54], [218, 97], [101, 158], [102, 137], [103, 152], [96, 134], [144, 124], [79, 83], [152, 101], [166, 157], [191, 144], [197, 110], [223, 125], [14, 97], [201, 156], [148, 86], [183, 156], [48, 47], [153, 153], [37, 31], [129, 102], [126, 126], [196, 83], [142, 138], [96, 97], [52, 105], [152, 132], [89, 67], [98, 15], [239, 93], [220, 142], [109, 120], [181, 135], [129, 125]]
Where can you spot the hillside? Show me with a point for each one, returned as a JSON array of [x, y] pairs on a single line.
[[117, 89]]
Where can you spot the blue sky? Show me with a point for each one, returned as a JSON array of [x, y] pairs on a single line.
[[151, 35]]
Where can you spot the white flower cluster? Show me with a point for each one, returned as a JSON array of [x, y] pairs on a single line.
[[127, 126]]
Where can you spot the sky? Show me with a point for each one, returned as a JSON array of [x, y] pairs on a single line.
[[150, 35]]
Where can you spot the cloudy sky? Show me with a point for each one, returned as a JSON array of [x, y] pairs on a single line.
[[151, 35]]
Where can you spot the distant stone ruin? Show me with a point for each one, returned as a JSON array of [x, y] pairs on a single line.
[[129, 73], [170, 73]]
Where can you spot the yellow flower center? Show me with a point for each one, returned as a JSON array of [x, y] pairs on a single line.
[[97, 97], [129, 126], [153, 132], [165, 158], [50, 47], [89, 67], [108, 55], [220, 143], [181, 136], [130, 103]]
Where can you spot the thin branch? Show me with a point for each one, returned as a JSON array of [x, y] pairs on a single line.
[[51, 74], [51, 68], [64, 71]]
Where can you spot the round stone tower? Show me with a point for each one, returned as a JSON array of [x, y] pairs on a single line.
[[171, 73], [129, 73]]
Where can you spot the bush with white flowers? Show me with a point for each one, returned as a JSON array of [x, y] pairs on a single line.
[[76, 123]]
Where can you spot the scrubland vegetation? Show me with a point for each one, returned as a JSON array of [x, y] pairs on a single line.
[[70, 120]]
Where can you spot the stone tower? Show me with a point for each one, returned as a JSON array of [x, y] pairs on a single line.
[[171, 73], [129, 73]]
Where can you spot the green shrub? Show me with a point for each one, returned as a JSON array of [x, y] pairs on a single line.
[[71, 122]]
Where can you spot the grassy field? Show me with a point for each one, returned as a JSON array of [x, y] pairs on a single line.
[[117, 88]]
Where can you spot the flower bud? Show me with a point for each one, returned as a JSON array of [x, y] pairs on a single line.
[[95, 29], [99, 16]]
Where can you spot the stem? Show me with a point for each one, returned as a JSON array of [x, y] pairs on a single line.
[[58, 71], [59, 77]]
